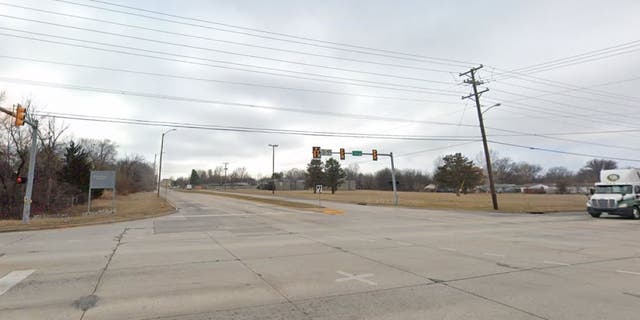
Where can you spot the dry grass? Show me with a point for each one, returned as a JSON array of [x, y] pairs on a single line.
[[131, 207], [509, 202], [277, 202]]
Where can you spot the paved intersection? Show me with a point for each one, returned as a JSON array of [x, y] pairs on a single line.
[[220, 258]]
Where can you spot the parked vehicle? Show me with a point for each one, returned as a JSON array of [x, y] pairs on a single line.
[[617, 193]]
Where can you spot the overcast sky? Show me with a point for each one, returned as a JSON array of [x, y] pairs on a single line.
[[502, 35]]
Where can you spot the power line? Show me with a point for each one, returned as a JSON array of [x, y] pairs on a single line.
[[387, 75], [219, 102], [282, 34], [579, 58], [166, 75], [193, 36], [435, 149], [188, 125], [374, 84], [285, 109], [425, 60], [563, 152]]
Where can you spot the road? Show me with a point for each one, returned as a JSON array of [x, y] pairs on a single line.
[[221, 258]]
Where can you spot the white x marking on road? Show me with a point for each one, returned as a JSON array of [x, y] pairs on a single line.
[[359, 277]]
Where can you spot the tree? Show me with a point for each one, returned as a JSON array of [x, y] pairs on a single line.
[[134, 174], [101, 152], [195, 177], [524, 172], [591, 170], [457, 172], [557, 174], [76, 168], [334, 174], [314, 174]]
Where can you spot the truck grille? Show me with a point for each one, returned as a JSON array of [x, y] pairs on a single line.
[[604, 203]]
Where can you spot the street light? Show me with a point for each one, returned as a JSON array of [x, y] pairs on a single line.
[[491, 107], [160, 166], [273, 166]]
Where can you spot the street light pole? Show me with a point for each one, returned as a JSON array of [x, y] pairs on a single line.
[[273, 167], [160, 164]]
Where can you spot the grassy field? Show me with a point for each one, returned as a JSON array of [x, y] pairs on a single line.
[[131, 207], [509, 202]]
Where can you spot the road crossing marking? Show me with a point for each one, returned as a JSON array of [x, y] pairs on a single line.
[[359, 277], [556, 263], [14, 277], [494, 254], [628, 272]]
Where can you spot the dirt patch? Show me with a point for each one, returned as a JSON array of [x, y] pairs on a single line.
[[130, 207], [509, 202]]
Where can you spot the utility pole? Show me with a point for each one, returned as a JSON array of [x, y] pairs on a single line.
[[160, 166], [475, 83], [225, 176], [155, 156], [273, 166]]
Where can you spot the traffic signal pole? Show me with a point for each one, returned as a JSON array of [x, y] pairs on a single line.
[[393, 180], [21, 119], [26, 209]]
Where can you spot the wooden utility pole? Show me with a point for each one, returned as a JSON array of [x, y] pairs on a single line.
[[475, 83]]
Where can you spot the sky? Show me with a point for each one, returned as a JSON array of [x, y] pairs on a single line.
[[374, 68]]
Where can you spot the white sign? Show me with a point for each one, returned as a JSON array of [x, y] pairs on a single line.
[[102, 180], [325, 152], [318, 188]]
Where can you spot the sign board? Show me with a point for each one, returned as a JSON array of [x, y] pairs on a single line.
[[318, 188], [356, 153], [325, 152], [102, 180]]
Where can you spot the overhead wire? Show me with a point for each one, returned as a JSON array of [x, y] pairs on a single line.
[[365, 83], [200, 37], [425, 60], [386, 75]]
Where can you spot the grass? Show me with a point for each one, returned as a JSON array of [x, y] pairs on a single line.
[[508, 202], [277, 202], [130, 207]]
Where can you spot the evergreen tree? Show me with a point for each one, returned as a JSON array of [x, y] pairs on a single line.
[[457, 172], [314, 174], [334, 174], [195, 177], [76, 169]]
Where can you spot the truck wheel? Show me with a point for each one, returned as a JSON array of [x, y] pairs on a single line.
[[636, 213], [595, 215]]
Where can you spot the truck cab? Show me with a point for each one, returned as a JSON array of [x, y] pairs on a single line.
[[617, 193]]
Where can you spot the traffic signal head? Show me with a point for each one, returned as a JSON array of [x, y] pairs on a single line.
[[316, 152], [342, 156], [21, 180], [20, 114], [374, 154]]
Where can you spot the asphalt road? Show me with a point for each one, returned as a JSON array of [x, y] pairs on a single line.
[[219, 258]]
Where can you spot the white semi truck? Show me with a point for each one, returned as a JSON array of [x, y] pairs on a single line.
[[617, 193]]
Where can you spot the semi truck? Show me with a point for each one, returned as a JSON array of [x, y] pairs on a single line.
[[617, 193]]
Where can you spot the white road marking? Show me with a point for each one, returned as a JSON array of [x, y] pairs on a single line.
[[494, 254], [448, 249], [359, 277], [628, 272], [556, 263], [14, 277], [402, 243]]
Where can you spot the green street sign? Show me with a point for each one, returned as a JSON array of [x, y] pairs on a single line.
[[356, 153]]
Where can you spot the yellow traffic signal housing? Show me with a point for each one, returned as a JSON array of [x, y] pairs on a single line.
[[20, 115], [316, 152], [342, 154], [374, 154]]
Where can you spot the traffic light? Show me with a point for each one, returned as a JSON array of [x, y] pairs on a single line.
[[21, 180], [374, 154], [342, 154], [20, 114], [316, 152]]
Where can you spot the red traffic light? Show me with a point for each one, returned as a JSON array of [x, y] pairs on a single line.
[[374, 154], [20, 115], [21, 180], [342, 154], [316, 152]]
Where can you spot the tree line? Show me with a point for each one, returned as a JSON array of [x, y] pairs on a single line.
[[63, 167]]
